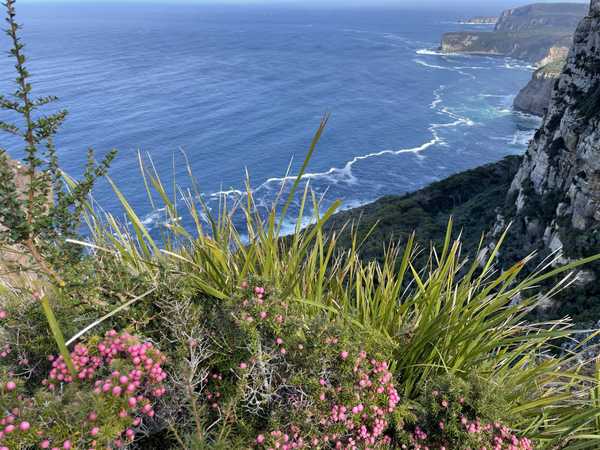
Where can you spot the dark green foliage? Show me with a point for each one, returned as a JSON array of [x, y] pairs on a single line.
[[471, 197], [447, 403]]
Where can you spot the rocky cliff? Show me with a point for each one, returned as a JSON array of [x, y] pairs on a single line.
[[554, 199], [535, 97], [535, 33], [541, 16]]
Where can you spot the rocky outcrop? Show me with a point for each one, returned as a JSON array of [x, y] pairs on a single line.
[[533, 48], [535, 97], [556, 55], [535, 33], [554, 199]]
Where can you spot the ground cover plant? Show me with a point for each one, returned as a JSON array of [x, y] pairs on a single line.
[[221, 336]]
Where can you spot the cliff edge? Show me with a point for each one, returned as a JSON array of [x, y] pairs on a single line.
[[554, 199]]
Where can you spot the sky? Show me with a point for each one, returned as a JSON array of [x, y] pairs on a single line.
[[399, 3]]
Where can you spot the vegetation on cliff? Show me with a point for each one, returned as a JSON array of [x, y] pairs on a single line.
[[219, 337]]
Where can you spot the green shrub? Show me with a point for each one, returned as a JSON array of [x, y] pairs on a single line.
[[453, 413]]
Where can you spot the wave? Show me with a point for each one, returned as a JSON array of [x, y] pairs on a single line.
[[431, 66], [504, 96], [335, 175], [438, 67], [522, 138], [432, 52], [513, 64], [344, 174]]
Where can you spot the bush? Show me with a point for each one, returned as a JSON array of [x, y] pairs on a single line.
[[455, 413], [117, 382]]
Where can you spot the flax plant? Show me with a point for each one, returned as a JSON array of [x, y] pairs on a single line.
[[453, 316]]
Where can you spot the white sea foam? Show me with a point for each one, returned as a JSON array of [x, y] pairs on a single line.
[[432, 52], [344, 174], [449, 68], [514, 64], [431, 66], [496, 95], [522, 138]]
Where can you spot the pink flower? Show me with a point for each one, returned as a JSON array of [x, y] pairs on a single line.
[[344, 354], [243, 366], [24, 426], [3, 314], [279, 341], [94, 431], [260, 439], [11, 386]]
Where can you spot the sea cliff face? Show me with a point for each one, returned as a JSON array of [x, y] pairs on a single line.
[[537, 17], [556, 192], [535, 33], [535, 97]]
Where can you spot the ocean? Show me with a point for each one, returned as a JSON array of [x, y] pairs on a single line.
[[244, 88]]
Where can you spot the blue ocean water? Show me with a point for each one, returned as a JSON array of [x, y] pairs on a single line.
[[241, 88]]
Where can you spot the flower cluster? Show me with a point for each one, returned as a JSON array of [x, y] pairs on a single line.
[[452, 419], [120, 377], [485, 435], [348, 415]]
